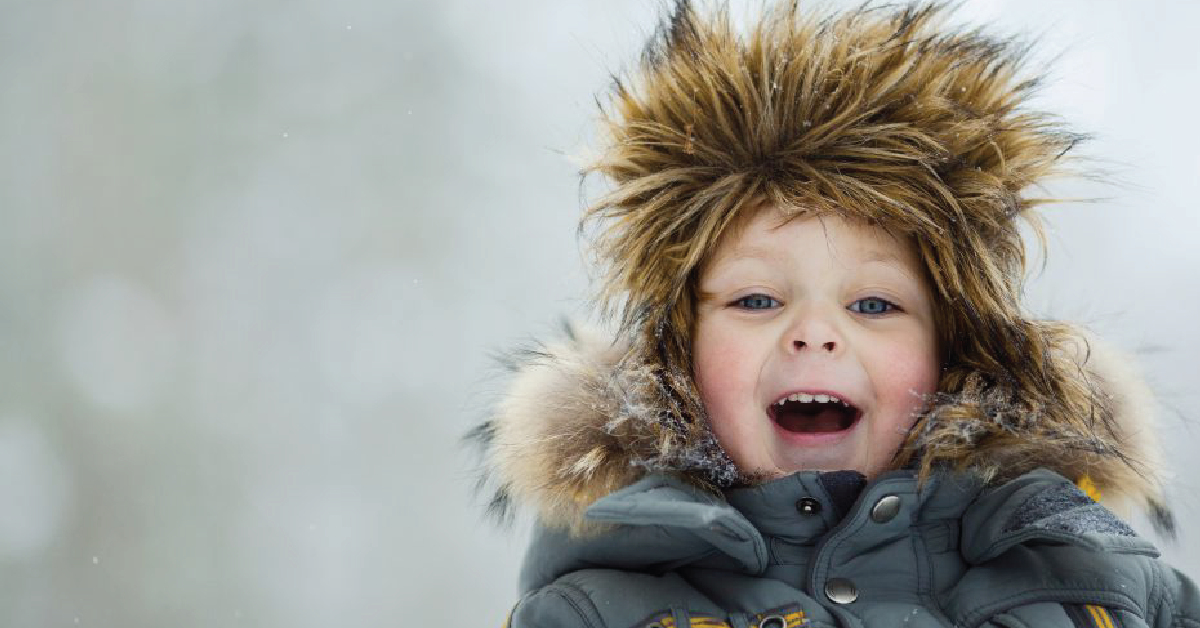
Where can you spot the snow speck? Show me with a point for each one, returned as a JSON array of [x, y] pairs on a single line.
[[95, 560], [285, 134]]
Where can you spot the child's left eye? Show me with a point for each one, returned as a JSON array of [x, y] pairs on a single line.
[[874, 305]]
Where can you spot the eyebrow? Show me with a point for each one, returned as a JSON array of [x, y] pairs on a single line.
[[880, 256], [893, 262], [886, 258], [754, 252]]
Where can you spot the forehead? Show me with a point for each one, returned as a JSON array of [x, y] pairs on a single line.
[[771, 235]]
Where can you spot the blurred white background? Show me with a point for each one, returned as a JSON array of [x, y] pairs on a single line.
[[254, 258]]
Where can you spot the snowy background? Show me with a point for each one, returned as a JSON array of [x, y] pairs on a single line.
[[254, 257]]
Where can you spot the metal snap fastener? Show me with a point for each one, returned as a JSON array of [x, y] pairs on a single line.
[[773, 621], [885, 509], [841, 591], [808, 506]]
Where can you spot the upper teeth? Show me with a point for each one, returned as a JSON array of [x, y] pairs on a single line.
[[806, 398]]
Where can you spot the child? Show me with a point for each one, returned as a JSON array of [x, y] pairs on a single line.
[[825, 406]]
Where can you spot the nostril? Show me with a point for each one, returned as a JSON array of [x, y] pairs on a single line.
[[828, 346]]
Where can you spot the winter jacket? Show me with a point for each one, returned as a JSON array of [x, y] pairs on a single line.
[[812, 549], [887, 115]]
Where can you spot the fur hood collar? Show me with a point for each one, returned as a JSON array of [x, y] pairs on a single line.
[[579, 421]]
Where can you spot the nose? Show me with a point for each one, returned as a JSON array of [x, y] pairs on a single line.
[[828, 345], [815, 331]]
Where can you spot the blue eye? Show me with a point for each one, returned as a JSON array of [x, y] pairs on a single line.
[[873, 305], [757, 302]]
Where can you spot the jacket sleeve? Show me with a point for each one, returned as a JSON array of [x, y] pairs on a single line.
[[1178, 604], [559, 605]]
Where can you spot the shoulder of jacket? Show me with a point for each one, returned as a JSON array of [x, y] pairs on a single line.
[[1065, 574], [1174, 598], [1043, 507], [609, 597], [556, 604]]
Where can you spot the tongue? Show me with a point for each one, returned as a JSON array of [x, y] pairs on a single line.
[[827, 420]]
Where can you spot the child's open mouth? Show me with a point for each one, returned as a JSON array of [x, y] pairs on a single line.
[[813, 414]]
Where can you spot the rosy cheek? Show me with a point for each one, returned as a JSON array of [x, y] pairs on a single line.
[[912, 374], [717, 369], [720, 370]]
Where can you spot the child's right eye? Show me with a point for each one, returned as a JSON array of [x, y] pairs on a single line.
[[757, 302]]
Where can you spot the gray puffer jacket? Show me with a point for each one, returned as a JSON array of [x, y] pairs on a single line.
[[814, 549]]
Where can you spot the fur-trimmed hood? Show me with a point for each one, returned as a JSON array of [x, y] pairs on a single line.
[[883, 114], [578, 422]]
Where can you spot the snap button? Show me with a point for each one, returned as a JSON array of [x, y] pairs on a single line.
[[808, 506], [841, 591], [773, 621], [885, 509]]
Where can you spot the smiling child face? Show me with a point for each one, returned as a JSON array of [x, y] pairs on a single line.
[[807, 306]]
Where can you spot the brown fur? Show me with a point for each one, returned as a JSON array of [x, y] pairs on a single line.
[[881, 114], [581, 420]]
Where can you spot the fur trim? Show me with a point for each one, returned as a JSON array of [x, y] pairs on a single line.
[[579, 423], [581, 420]]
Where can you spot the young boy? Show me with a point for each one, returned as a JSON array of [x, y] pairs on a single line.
[[825, 406]]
